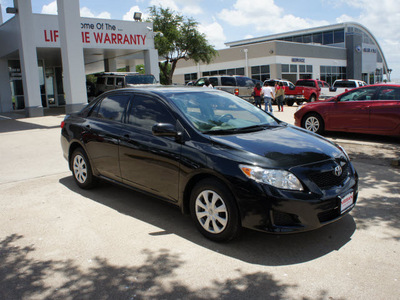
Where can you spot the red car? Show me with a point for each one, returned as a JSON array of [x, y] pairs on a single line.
[[373, 109]]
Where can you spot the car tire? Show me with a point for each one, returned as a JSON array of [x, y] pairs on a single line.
[[290, 102], [312, 98], [214, 211], [313, 122], [82, 170]]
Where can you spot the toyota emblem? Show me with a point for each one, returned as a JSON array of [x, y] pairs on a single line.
[[338, 171]]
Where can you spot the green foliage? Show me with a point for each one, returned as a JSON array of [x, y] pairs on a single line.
[[140, 69], [91, 78], [180, 39]]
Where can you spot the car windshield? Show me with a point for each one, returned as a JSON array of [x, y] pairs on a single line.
[[221, 113], [140, 79]]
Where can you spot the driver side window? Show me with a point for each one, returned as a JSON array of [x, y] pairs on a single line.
[[146, 111]]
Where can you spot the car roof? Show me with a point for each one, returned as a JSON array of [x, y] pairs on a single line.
[[120, 74], [163, 89]]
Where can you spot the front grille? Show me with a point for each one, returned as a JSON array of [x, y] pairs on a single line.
[[329, 179]]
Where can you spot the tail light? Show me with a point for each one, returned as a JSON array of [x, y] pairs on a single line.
[[237, 92], [62, 124]]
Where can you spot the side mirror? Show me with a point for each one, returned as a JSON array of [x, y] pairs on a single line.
[[164, 129]]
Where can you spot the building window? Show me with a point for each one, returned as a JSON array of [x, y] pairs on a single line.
[[331, 73], [307, 39], [317, 38], [237, 71], [328, 38], [190, 77], [285, 68], [338, 36], [260, 72]]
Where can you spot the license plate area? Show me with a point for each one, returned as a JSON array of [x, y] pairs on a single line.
[[346, 202]]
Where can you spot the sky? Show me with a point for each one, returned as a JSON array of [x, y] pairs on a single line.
[[225, 21]]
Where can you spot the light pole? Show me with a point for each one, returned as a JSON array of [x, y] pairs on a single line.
[[389, 71], [246, 70]]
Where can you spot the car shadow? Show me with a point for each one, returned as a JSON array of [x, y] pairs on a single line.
[[252, 247]]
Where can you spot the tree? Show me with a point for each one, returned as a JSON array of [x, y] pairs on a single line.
[[179, 39]]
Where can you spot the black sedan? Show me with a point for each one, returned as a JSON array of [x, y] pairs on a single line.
[[217, 157]]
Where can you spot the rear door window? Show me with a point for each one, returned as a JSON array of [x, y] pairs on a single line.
[[119, 81], [244, 81], [110, 80], [228, 81], [361, 94], [111, 107], [214, 81], [389, 93]]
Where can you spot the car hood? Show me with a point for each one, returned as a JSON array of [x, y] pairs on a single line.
[[282, 146]]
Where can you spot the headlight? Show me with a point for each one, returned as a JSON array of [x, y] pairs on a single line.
[[344, 151], [278, 178], [299, 107]]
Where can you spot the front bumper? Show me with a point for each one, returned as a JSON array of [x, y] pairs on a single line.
[[295, 97], [284, 211]]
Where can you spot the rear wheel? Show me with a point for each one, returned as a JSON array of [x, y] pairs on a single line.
[[214, 211], [313, 122], [312, 98], [81, 169]]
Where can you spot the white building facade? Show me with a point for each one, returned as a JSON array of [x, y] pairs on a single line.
[[44, 58], [340, 51]]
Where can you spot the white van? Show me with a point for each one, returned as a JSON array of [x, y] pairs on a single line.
[[114, 80]]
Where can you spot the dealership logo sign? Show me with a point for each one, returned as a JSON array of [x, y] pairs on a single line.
[[105, 35]]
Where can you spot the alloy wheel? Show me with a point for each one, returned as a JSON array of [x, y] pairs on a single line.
[[312, 124]]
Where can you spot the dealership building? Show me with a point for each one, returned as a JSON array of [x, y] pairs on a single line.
[[44, 58], [341, 51]]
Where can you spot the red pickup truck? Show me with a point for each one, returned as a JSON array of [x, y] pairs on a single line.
[[307, 90]]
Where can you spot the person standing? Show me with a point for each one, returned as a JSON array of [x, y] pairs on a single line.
[[268, 95], [208, 84], [280, 95], [257, 95]]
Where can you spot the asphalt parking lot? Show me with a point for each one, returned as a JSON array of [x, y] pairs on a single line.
[[60, 242]]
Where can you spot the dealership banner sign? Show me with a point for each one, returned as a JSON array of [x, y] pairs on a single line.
[[98, 33]]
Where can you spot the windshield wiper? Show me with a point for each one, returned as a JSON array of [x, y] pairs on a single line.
[[241, 129]]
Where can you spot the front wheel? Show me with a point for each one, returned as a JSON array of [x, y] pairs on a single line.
[[214, 211], [314, 123], [81, 169]]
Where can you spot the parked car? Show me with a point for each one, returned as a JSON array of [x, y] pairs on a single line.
[[340, 86], [241, 86], [255, 81], [306, 90], [287, 85], [217, 157], [373, 109], [114, 80]]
